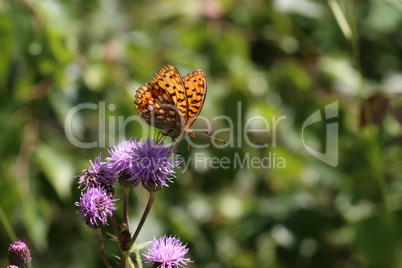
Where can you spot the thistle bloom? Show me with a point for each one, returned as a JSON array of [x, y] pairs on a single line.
[[98, 174], [19, 255], [152, 164], [148, 162], [120, 157], [166, 252], [96, 205]]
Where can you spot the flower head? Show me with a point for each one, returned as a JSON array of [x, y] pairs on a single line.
[[120, 157], [148, 162], [96, 205], [153, 164], [166, 252], [19, 255], [98, 174]]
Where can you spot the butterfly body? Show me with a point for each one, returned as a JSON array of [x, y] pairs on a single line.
[[170, 102]]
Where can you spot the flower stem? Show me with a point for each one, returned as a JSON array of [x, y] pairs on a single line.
[[124, 258], [125, 207], [151, 199], [102, 248], [131, 264], [126, 261], [115, 228]]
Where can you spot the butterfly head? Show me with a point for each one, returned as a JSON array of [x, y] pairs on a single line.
[[178, 134], [189, 133]]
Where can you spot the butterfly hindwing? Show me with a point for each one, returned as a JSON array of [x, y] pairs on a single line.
[[195, 84]]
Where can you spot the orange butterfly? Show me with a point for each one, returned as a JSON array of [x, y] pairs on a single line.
[[171, 102]]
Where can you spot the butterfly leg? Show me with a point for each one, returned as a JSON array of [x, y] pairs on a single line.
[[175, 145], [160, 136]]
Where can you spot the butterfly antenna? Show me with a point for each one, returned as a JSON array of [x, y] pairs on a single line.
[[206, 135]]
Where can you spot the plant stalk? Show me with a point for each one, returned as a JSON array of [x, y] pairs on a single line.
[[102, 248], [151, 199]]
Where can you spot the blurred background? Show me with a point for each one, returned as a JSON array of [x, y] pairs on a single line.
[[270, 59]]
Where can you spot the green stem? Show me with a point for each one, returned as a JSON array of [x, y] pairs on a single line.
[[7, 226], [125, 207], [131, 264], [126, 262], [125, 255], [115, 228], [124, 258], [143, 218], [102, 248]]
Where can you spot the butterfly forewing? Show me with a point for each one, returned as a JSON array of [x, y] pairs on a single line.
[[170, 80], [195, 84], [157, 108]]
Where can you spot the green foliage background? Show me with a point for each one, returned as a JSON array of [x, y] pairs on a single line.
[[275, 58]]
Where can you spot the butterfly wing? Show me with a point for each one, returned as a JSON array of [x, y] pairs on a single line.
[[161, 114], [195, 84], [169, 79], [162, 103]]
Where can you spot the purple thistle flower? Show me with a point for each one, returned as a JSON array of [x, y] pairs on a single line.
[[152, 164], [98, 174], [96, 205], [120, 157], [148, 162], [166, 252], [19, 255]]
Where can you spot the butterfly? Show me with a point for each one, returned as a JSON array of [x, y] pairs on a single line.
[[170, 102]]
